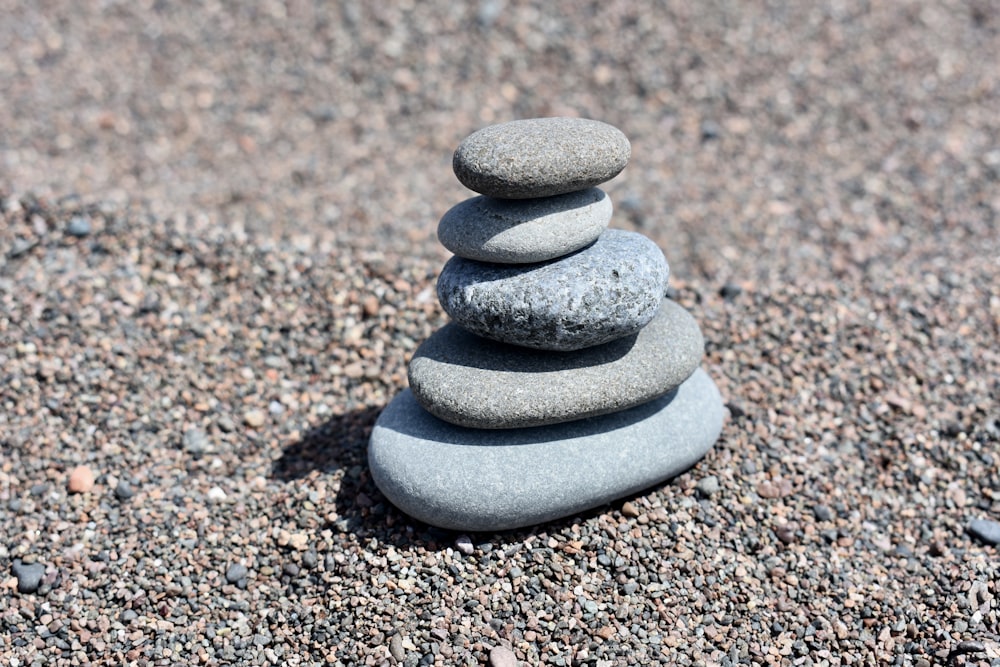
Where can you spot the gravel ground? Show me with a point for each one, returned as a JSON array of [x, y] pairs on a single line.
[[217, 255]]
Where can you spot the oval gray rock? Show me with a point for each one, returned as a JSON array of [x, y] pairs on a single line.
[[608, 290], [471, 381], [540, 157], [487, 480], [518, 231]]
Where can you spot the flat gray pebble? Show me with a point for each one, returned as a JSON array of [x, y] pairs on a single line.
[[822, 512], [540, 157], [501, 656], [236, 572], [79, 226], [124, 490], [524, 230], [29, 575], [606, 291], [708, 486], [396, 649], [471, 381], [985, 530], [195, 441]]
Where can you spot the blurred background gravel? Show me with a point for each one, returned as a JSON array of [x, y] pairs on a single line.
[[218, 253]]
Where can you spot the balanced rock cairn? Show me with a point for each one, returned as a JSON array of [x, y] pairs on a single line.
[[566, 379]]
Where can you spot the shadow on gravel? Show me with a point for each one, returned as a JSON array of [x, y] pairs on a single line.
[[367, 514], [339, 443]]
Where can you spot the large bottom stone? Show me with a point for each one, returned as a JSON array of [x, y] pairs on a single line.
[[487, 480]]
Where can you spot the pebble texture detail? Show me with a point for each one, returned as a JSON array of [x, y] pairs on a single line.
[[606, 291], [540, 157]]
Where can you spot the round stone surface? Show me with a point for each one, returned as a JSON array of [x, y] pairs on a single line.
[[475, 382], [540, 157], [608, 290], [518, 231], [487, 480]]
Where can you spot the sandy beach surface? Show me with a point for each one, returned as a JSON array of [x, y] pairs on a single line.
[[218, 253]]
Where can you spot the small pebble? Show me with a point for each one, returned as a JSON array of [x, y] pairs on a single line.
[[195, 441], [396, 648], [216, 494], [226, 424], [464, 544], [822, 513], [501, 656], [629, 509], [708, 486], [236, 572], [730, 291], [29, 575], [254, 418], [710, 130], [965, 647], [79, 226], [124, 490], [81, 480]]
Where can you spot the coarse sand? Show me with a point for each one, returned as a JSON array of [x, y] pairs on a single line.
[[217, 255]]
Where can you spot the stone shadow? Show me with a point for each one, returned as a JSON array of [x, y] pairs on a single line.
[[377, 518], [339, 443]]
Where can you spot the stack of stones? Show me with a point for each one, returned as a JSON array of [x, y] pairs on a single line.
[[565, 379]]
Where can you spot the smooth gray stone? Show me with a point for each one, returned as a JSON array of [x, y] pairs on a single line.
[[471, 381], [486, 480], [519, 231], [985, 530], [540, 157], [608, 290]]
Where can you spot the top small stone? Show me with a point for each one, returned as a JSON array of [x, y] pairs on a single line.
[[540, 157]]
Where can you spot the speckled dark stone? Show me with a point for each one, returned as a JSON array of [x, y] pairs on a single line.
[[518, 231], [471, 381], [608, 290], [540, 157], [475, 479]]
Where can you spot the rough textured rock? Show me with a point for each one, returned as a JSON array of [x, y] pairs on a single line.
[[524, 230], [540, 157], [475, 479], [471, 381], [606, 291]]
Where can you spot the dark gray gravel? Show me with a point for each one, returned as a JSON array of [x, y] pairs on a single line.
[[29, 575], [263, 182]]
